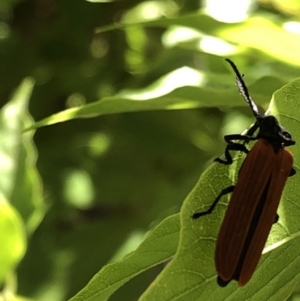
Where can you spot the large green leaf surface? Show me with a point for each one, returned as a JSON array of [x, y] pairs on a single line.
[[188, 97], [191, 274], [159, 245]]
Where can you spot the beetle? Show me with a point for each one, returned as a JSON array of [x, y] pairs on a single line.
[[253, 205]]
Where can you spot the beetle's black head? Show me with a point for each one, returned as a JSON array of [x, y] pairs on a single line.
[[272, 131]]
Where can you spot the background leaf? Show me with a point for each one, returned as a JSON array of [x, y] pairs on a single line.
[[19, 180], [20, 187], [13, 238], [179, 99]]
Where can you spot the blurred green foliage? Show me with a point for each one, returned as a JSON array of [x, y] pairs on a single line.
[[110, 179]]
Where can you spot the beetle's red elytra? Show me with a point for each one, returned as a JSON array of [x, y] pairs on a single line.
[[255, 198]]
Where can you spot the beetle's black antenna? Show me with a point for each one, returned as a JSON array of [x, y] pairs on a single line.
[[243, 88]]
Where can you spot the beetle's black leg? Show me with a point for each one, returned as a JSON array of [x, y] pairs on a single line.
[[231, 147], [213, 205], [229, 138], [234, 146], [251, 131]]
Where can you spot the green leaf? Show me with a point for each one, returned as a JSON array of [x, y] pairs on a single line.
[[191, 274], [19, 179], [187, 97], [12, 238], [159, 245], [252, 33]]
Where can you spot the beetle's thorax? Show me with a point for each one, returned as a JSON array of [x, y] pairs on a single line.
[[273, 132]]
